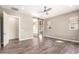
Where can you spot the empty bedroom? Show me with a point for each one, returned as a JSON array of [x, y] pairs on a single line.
[[39, 29]]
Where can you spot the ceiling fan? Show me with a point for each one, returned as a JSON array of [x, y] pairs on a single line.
[[46, 10]]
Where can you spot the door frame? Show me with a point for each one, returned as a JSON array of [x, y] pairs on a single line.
[[2, 40]]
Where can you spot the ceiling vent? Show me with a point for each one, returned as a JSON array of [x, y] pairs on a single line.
[[15, 9]]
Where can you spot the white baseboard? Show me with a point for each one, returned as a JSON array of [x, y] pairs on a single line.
[[26, 38], [75, 41], [70, 40]]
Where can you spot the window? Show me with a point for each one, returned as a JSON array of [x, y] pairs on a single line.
[[73, 23], [35, 26]]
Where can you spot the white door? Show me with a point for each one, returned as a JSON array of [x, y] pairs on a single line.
[[11, 28]]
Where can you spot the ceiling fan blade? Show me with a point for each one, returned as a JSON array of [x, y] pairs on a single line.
[[45, 7], [45, 10], [49, 9]]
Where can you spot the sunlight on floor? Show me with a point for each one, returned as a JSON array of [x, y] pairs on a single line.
[[58, 41]]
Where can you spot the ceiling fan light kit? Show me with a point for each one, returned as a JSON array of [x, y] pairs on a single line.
[[46, 10]]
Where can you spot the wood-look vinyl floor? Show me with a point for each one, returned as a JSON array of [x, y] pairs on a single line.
[[50, 46]]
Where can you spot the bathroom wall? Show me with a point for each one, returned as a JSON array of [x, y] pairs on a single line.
[[60, 27]]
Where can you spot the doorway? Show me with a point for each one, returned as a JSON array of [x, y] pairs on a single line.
[[38, 29], [11, 28]]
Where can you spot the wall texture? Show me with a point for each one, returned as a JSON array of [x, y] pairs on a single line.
[[25, 27], [60, 27], [25, 24]]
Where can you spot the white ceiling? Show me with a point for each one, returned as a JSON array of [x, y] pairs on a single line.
[[35, 9]]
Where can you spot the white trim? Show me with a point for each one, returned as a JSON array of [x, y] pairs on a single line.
[[75, 41], [26, 39]]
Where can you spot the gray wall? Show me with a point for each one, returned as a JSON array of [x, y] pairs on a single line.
[[25, 24], [60, 27], [25, 27]]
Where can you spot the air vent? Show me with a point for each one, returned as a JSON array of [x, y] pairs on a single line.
[[15, 9]]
